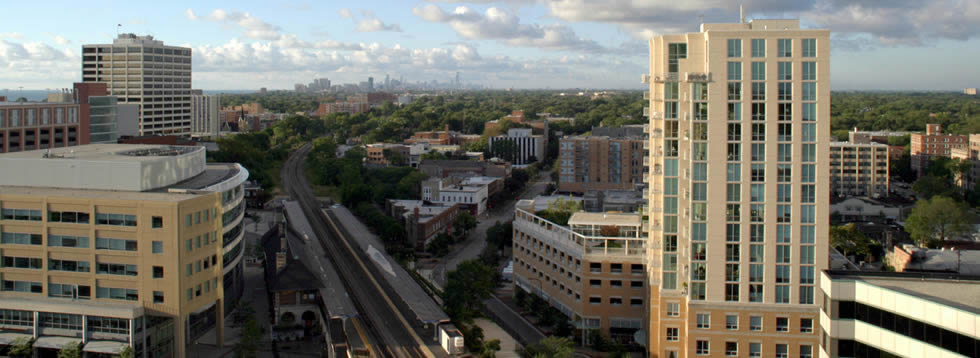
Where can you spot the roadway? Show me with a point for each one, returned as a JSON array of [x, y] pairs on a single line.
[[389, 333]]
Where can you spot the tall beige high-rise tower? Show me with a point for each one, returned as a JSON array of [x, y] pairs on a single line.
[[739, 134], [142, 70]]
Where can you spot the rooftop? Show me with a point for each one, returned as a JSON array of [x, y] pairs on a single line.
[[849, 144], [960, 291], [117, 167], [612, 219], [965, 262]]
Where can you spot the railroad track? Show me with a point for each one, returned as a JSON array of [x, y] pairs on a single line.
[[387, 336]]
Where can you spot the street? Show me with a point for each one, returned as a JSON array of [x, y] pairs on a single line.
[[477, 239]]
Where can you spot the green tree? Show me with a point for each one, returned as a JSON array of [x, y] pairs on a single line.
[[21, 347], [935, 220], [929, 186], [849, 240], [463, 223], [489, 349], [549, 347], [249, 344], [127, 352], [467, 287], [70, 350]]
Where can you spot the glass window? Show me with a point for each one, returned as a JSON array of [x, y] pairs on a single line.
[[734, 47], [673, 334], [759, 111], [676, 52], [758, 71], [755, 323], [758, 193], [809, 71], [782, 350], [735, 112], [704, 320], [809, 91], [784, 111], [758, 91], [785, 71], [703, 348], [734, 172], [734, 131], [809, 47], [758, 47], [809, 152], [755, 349], [784, 152], [734, 91], [731, 321], [785, 47], [734, 71], [809, 132], [734, 192], [785, 91]]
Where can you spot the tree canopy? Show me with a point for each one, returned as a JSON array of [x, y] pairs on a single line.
[[938, 219]]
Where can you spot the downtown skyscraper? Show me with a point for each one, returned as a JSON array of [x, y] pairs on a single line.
[[739, 113]]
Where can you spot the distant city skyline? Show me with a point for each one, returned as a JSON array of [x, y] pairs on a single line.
[[499, 44]]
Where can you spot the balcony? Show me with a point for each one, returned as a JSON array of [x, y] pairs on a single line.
[[697, 77], [645, 78], [656, 115], [666, 77], [646, 111], [646, 94], [646, 128]]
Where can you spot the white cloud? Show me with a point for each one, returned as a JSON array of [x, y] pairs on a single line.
[[251, 26], [368, 22], [499, 24], [372, 24], [11, 35], [61, 40], [37, 65], [893, 22]]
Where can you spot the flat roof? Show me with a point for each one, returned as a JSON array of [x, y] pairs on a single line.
[[849, 144], [617, 219], [129, 167], [960, 291]]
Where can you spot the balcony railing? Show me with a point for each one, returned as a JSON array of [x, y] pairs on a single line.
[[697, 77]]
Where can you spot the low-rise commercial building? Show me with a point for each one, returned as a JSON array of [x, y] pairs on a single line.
[[464, 168], [883, 314], [450, 191], [592, 269], [910, 258], [860, 208], [114, 245], [859, 169], [423, 221], [934, 143]]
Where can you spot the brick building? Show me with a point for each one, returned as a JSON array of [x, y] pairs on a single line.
[[934, 143]]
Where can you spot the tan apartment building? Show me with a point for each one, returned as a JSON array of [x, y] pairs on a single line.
[[739, 112], [934, 143], [859, 169], [114, 245], [592, 270], [602, 162]]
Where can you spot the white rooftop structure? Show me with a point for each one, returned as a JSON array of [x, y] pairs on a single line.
[[117, 167]]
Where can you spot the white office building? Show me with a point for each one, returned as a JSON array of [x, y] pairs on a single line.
[[528, 147], [205, 115]]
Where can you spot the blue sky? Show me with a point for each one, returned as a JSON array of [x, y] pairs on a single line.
[[896, 44]]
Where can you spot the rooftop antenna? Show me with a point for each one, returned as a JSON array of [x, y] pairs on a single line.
[[741, 13], [117, 29]]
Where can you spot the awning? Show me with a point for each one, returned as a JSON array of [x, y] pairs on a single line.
[[55, 342], [106, 347], [7, 338]]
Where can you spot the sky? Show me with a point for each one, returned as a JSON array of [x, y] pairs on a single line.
[[245, 44]]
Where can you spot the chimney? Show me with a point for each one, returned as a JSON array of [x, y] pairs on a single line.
[[741, 13]]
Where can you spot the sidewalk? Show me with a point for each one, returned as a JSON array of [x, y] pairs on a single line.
[[508, 345], [503, 313]]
